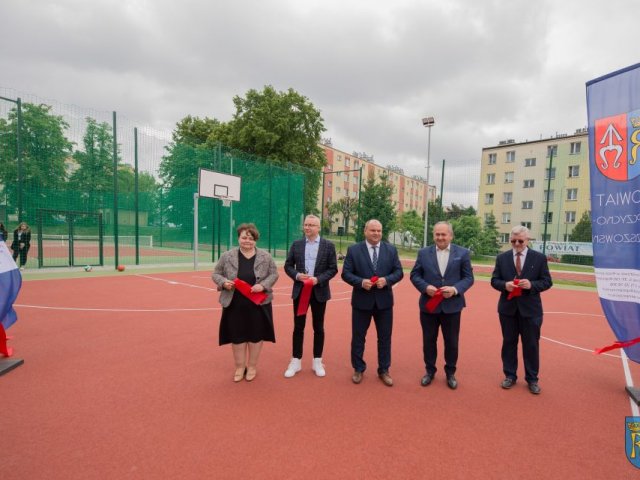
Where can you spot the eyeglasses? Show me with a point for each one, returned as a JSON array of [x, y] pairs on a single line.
[[514, 241]]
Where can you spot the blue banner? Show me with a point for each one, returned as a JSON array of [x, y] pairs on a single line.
[[613, 107]]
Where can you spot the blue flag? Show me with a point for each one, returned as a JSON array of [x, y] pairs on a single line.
[[613, 106], [10, 283]]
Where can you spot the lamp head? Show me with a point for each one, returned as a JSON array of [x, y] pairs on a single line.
[[428, 121]]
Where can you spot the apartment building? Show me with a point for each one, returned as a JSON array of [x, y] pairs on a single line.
[[517, 178], [341, 178]]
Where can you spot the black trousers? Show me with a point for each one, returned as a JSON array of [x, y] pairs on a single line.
[[449, 323], [360, 321], [22, 252], [527, 329], [299, 322]]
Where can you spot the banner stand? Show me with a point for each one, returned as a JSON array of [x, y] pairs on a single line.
[[8, 364], [634, 393]]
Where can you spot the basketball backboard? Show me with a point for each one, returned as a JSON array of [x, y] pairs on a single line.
[[219, 185]]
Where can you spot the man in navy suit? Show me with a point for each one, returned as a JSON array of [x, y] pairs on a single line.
[[371, 267], [310, 258], [442, 274], [520, 275]]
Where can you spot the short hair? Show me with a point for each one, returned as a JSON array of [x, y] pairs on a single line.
[[249, 228], [311, 215], [444, 222], [372, 220], [519, 229]]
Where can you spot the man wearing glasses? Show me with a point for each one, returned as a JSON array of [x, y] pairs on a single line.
[[520, 275]]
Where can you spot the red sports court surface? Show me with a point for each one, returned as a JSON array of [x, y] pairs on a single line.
[[123, 378]]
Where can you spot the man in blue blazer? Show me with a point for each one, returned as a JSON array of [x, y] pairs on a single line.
[[442, 274], [520, 275], [314, 258], [372, 267]]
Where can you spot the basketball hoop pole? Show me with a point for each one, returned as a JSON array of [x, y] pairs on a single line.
[[195, 231]]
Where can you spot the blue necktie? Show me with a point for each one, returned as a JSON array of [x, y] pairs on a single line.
[[374, 260]]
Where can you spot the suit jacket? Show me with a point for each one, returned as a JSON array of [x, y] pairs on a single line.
[[459, 274], [358, 266], [535, 269], [26, 239], [264, 269], [325, 269]]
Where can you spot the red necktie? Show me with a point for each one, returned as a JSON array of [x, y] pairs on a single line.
[[518, 264]]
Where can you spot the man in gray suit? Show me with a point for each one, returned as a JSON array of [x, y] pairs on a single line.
[[442, 274]]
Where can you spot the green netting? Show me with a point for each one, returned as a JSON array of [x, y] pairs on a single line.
[[81, 214]]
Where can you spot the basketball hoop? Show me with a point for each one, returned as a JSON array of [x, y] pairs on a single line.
[[226, 202]]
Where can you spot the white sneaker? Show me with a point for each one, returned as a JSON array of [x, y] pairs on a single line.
[[295, 365], [318, 367]]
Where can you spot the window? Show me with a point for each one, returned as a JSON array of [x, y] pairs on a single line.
[[572, 194], [347, 162], [527, 204], [487, 216], [550, 194], [507, 197], [329, 183], [574, 171], [488, 198], [338, 174], [552, 149], [504, 237], [548, 216], [337, 189], [529, 162], [528, 184], [546, 237], [569, 217], [550, 173], [506, 217], [575, 148], [526, 224], [508, 177], [491, 178], [511, 156], [492, 158]]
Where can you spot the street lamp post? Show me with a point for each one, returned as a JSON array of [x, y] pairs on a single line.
[[427, 122]]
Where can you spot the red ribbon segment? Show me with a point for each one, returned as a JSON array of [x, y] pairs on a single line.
[[434, 301], [516, 292], [305, 296], [5, 349], [245, 289], [616, 345]]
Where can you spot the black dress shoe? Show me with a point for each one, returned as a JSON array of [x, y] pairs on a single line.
[[507, 383], [426, 380], [534, 388], [452, 382]]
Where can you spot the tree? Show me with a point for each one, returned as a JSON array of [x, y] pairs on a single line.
[[94, 175], [282, 127], [488, 241], [468, 231], [347, 207], [582, 231], [376, 202], [411, 222], [44, 151]]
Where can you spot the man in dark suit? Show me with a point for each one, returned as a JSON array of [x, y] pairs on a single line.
[[442, 274], [371, 267], [311, 259], [520, 275]]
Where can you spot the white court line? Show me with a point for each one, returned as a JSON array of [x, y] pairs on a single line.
[[576, 347], [83, 309], [173, 282]]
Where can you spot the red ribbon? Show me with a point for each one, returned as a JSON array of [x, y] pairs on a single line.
[[374, 279], [5, 349], [245, 289], [516, 292], [305, 296], [434, 301], [617, 345]]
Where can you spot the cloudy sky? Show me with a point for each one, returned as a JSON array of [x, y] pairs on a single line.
[[487, 70]]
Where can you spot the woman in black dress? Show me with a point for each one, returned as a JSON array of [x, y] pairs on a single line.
[[246, 324], [21, 243]]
